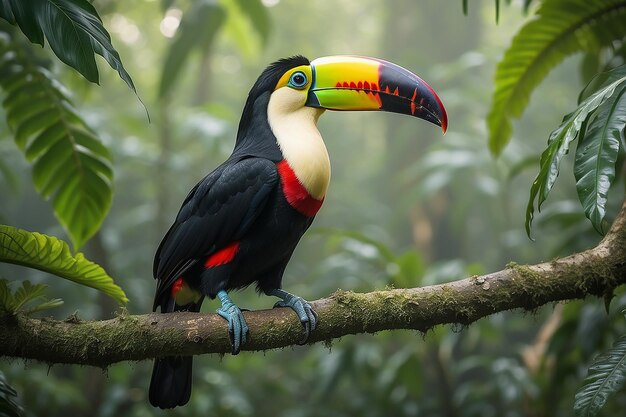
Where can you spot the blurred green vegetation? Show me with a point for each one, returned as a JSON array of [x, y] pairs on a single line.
[[405, 208]]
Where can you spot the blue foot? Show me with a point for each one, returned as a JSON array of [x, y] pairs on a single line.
[[237, 326], [306, 314]]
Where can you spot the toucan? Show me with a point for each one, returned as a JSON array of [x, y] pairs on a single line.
[[241, 223]]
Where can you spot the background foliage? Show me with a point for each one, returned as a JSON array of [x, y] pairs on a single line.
[[405, 208]]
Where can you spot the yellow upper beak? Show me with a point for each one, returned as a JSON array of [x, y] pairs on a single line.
[[361, 83]]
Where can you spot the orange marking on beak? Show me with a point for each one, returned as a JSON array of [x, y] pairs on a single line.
[[387, 89], [413, 106], [396, 92]]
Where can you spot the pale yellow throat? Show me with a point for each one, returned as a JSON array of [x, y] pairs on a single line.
[[295, 128]]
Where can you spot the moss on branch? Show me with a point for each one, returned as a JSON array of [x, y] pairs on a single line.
[[596, 272]]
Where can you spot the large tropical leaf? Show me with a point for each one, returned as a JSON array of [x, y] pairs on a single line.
[[560, 28], [73, 29], [606, 375], [598, 147], [70, 164], [197, 31], [49, 254], [558, 145]]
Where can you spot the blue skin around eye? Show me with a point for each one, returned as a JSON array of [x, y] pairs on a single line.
[[295, 84]]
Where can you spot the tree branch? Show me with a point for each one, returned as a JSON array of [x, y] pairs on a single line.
[[597, 271]]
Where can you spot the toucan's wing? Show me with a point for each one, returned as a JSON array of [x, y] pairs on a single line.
[[217, 211]]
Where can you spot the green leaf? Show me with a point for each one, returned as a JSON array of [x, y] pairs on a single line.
[[26, 20], [8, 405], [73, 29], [25, 294], [558, 146], [6, 11], [601, 80], [45, 305], [606, 375], [70, 163], [49, 254], [197, 30], [596, 155], [560, 28]]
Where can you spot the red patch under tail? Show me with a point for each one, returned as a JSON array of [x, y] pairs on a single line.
[[176, 287]]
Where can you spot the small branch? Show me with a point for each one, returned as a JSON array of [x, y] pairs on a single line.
[[597, 271]]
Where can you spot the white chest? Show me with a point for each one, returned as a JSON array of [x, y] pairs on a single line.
[[300, 141]]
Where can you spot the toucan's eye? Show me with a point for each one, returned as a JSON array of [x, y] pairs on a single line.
[[298, 80]]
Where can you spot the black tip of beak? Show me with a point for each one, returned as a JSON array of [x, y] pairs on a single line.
[[406, 93]]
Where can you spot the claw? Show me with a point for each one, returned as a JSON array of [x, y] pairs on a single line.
[[238, 331], [306, 314]]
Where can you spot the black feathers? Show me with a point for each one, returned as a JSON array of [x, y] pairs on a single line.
[[170, 385], [239, 205], [219, 210], [265, 84]]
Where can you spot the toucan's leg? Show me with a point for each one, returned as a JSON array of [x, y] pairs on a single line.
[[237, 326], [306, 314]]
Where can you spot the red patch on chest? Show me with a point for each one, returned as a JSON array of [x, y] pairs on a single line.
[[222, 256], [297, 196]]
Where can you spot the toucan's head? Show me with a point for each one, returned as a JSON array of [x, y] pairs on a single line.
[[347, 83]]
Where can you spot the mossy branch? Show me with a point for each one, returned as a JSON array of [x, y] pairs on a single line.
[[597, 271]]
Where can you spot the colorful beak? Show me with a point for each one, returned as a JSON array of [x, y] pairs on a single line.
[[361, 83]]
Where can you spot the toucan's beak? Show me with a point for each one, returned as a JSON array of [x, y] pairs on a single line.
[[360, 83]]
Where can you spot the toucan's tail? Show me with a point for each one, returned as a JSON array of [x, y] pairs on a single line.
[[170, 385]]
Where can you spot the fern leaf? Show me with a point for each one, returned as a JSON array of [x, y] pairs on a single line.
[[44, 305], [26, 293], [606, 375]]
